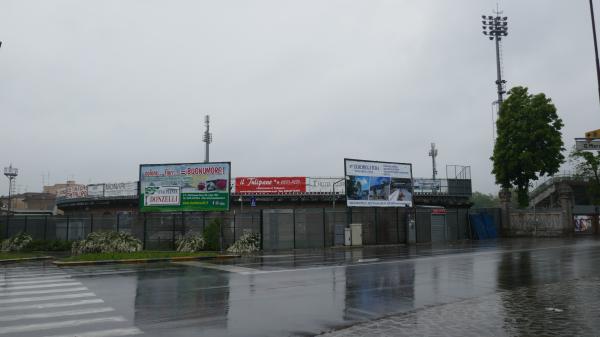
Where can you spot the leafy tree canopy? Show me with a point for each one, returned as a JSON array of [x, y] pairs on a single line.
[[482, 200], [529, 141]]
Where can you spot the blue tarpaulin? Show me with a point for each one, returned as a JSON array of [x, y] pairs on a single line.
[[483, 226]]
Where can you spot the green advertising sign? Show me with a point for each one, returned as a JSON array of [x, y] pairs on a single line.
[[193, 187]]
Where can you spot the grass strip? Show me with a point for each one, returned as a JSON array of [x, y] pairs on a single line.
[[18, 255], [135, 255]]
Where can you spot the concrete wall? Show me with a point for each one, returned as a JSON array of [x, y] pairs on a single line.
[[546, 223]]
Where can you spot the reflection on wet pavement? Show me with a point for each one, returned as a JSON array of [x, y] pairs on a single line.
[[310, 292]]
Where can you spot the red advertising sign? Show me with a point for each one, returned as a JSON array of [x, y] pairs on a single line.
[[270, 185]]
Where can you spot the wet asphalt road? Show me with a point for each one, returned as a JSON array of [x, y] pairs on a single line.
[[306, 293]]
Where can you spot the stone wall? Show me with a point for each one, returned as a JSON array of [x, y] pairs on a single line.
[[546, 222]]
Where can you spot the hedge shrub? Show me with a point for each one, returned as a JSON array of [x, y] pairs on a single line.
[[212, 234], [191, 242], [107, 242], [16, 243], [247, 243], [48, 246]]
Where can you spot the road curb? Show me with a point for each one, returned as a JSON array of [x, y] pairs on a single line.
[[26, 259], [140, 261]]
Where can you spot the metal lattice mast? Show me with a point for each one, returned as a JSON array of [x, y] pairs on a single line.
[[11, 173], [207, 139], [433, 154]]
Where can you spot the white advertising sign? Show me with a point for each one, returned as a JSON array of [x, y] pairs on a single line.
[[324, 185], [582, 144], [74, 191], [95, 190], [162, 196], [120, 189], [378, 184], [421, 185]]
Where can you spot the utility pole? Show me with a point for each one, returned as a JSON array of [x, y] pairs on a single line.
[[433, 153], [11, 173], [333, 196], [496, 27], [595, 45], [207, 138]]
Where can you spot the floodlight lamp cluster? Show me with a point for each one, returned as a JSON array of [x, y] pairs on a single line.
[[495, 26], [11, 172]]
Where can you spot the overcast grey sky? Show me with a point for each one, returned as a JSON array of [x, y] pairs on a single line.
[[94, 88]]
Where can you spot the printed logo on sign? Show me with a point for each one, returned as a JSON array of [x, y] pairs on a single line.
[[162, 196]]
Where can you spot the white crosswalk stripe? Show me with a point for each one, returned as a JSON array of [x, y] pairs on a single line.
[[41, 292], [106, 333], [13, 269], [36, 286], [6, 284], [50, 305], [23, 275], [46, 298], [25, 279], [36, 281], [61, 324], [55, 314], [50, 302]]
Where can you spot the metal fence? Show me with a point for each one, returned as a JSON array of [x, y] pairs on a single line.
[[278, 228]]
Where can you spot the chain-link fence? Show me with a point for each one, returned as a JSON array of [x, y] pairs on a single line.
[[278, 228]]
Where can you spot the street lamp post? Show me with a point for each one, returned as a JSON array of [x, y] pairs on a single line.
[[496, 27], [333, 190], [595, 45], [11, 173]]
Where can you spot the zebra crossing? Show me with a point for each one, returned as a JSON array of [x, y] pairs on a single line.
[[43, 300]]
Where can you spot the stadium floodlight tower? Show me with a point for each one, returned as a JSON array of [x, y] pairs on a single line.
[[11, 173], [207, 138], [495, 28]]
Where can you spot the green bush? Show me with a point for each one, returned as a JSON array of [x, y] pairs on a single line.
[[247, 243], [191, 242], [16, 243], [212, 234], [107, 242], [48, 246]]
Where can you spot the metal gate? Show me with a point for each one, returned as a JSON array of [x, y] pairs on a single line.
[[278, 229], [438, 227], [423, 223]]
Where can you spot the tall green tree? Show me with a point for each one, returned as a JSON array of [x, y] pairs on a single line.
[[529, 142]]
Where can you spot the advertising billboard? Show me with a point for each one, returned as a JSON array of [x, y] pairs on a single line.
[[270, 185], [378, 184], [120, 189], [189, 187], [324, 185], [422, 185], [583, 223], [95, 190], [72, 191]]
